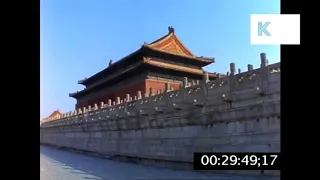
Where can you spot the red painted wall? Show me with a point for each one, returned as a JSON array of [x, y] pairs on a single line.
[[121, 92], [159, 85], [132, 89]]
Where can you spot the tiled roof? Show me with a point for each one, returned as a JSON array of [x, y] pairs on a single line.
[[174, 66], [55, 113], [170, 43]]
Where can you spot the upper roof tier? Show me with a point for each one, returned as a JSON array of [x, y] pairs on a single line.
[[55, 113], [169, 44]]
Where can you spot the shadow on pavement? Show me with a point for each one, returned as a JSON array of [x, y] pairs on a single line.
[[94, 168]]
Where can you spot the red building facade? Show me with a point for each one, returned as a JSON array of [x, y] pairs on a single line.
[[166, 60]]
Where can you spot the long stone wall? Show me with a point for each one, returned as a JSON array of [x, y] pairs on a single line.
[[236, 113]]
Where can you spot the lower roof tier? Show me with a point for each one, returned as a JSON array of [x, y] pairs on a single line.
[[145, 50], [145, 67]]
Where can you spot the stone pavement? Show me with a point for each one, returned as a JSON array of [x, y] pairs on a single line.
[[63, 165]]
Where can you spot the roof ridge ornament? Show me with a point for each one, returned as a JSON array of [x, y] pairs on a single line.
[[171, 29], [144, 44], [110, 62]]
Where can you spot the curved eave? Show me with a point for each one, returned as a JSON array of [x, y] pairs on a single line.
[[73, 95], [113, 76], [205, 61], [82, 81], [85, 81], [174, 67]]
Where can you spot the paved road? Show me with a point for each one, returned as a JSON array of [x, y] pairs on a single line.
[[63, 165]]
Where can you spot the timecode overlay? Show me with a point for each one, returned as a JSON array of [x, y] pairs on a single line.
[[236, 161]]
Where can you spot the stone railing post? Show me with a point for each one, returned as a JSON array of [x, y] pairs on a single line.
[[166, 87], [206, 77], [185, 82], [264, 60], [101, 104], [128, 97], [263, 73], [139, 95], [232, 69], [193, 82]]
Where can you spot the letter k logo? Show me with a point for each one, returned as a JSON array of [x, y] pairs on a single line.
[[262, 28]]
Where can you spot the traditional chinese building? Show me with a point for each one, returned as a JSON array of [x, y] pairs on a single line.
[[166, 60], [54, 115]]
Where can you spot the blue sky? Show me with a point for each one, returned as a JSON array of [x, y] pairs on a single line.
[[79, 37]]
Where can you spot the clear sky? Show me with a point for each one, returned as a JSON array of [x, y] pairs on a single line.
[[79, 37]]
